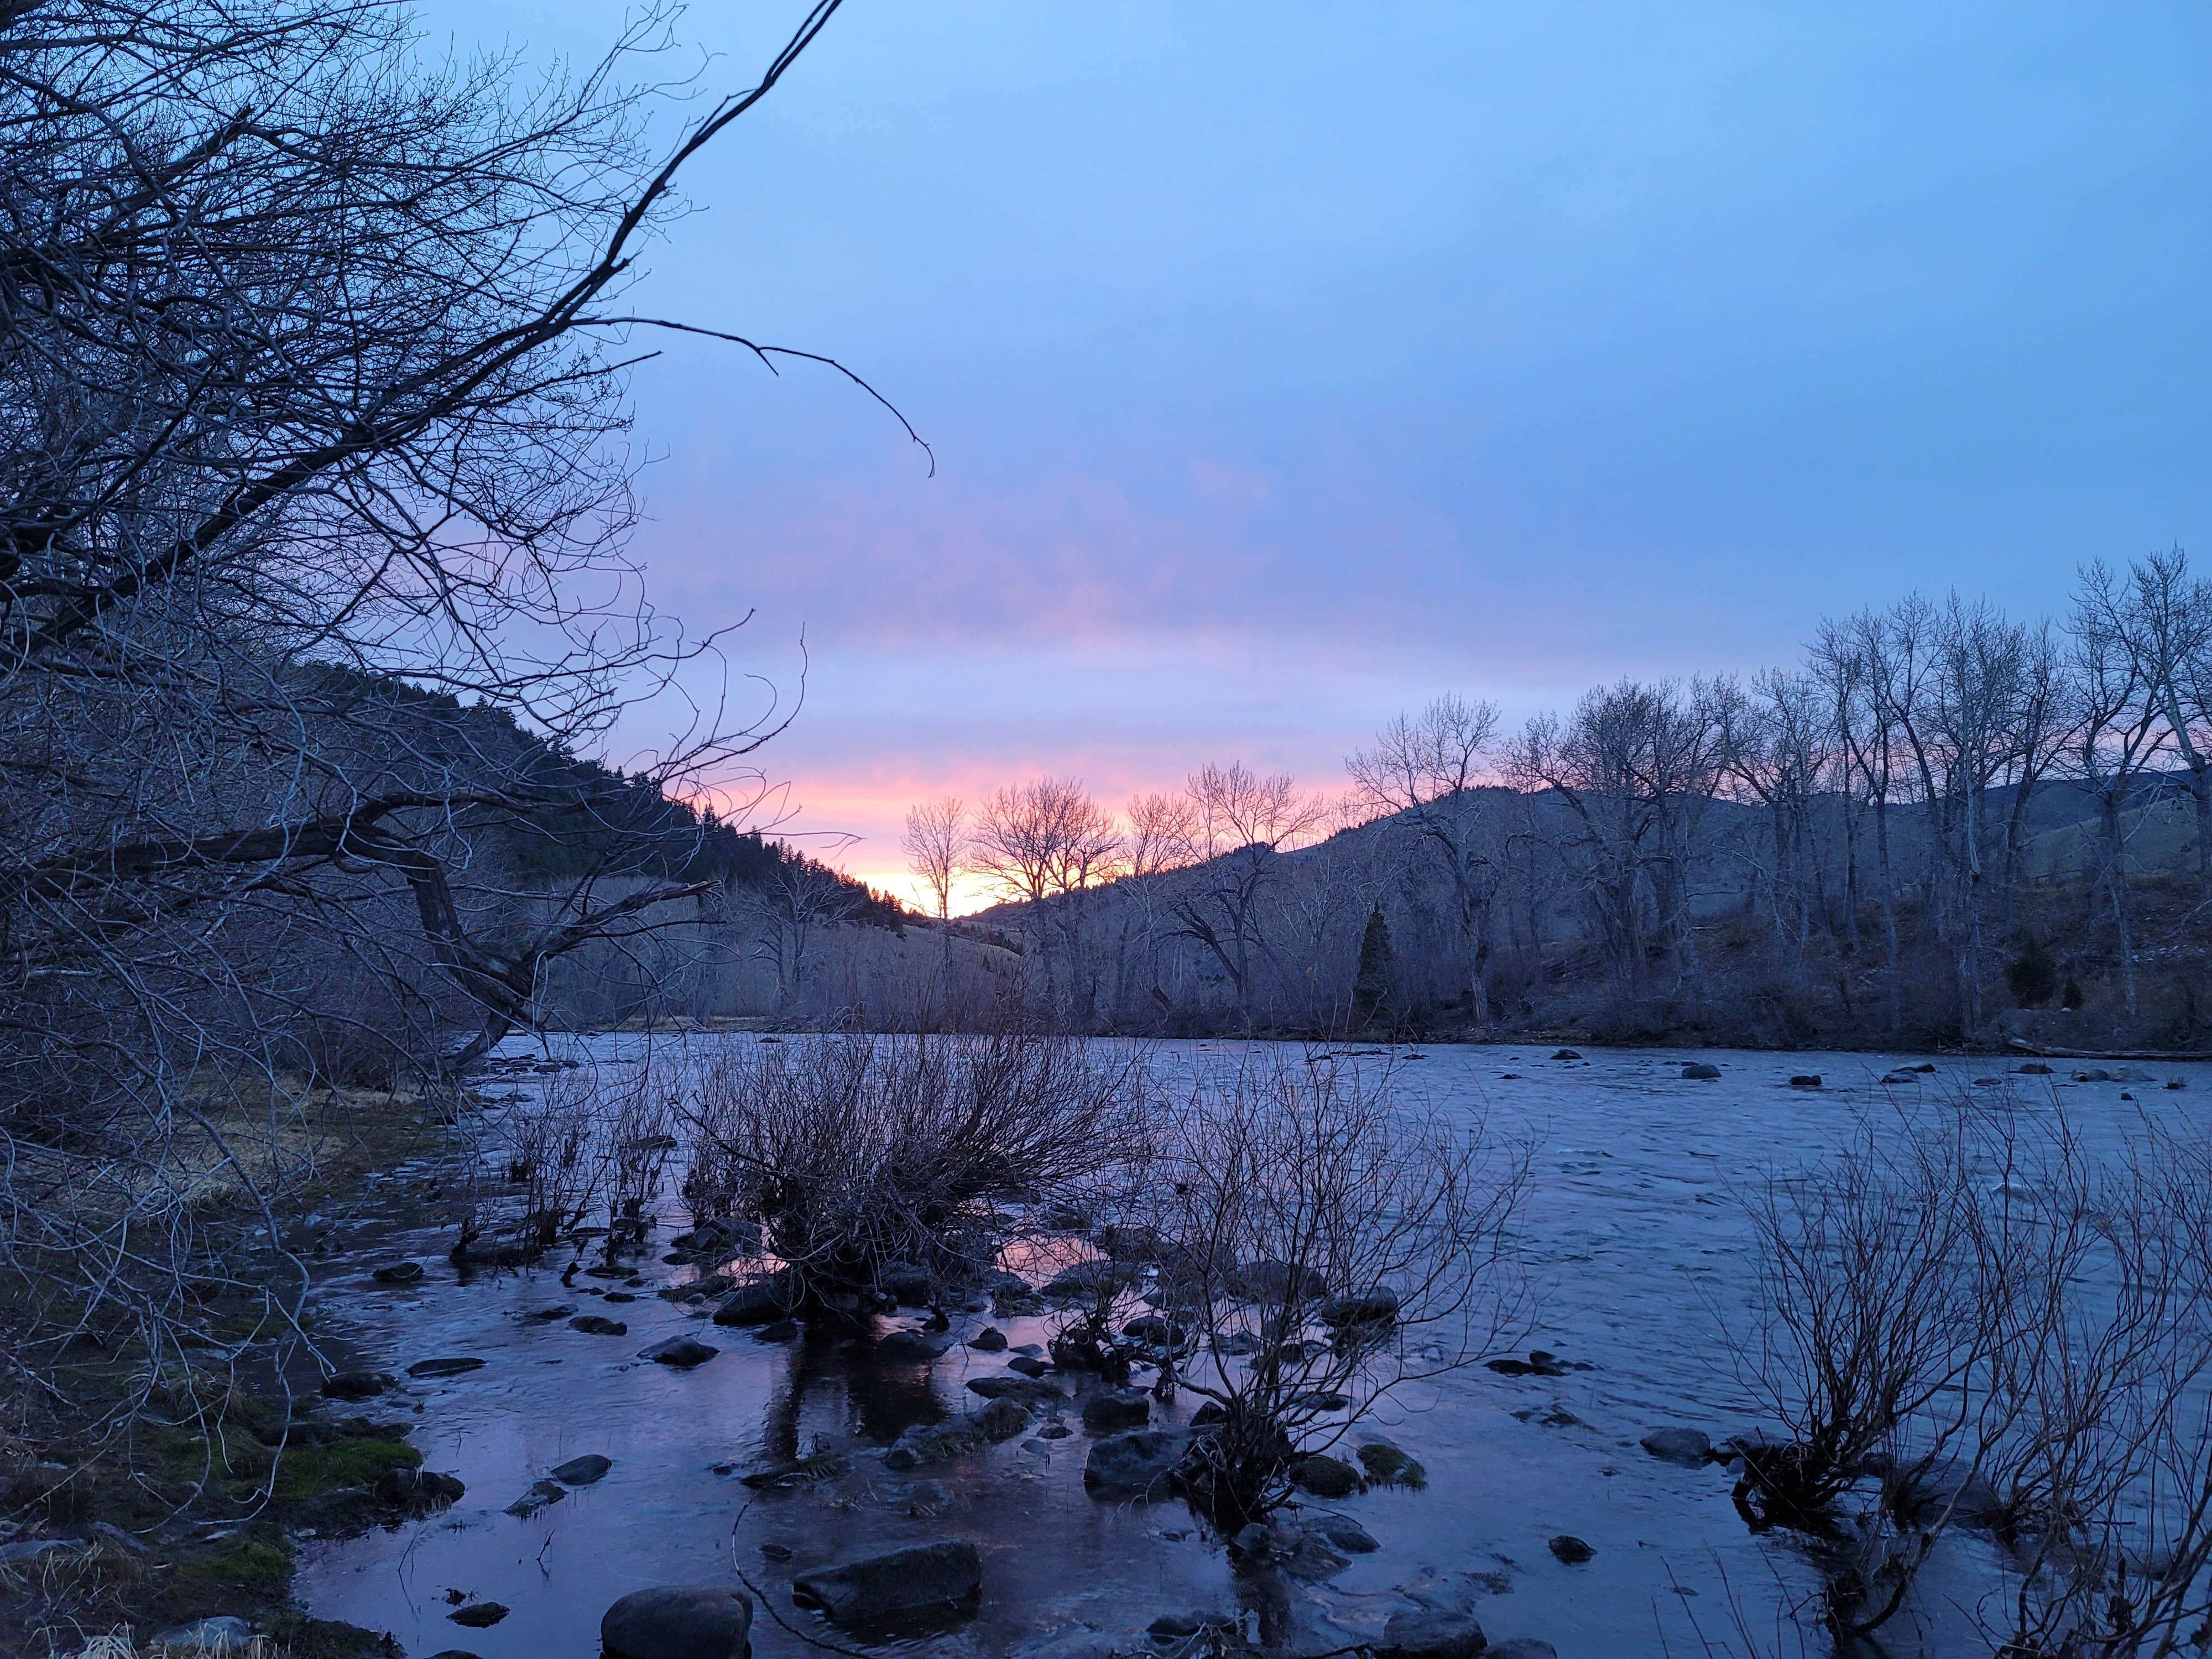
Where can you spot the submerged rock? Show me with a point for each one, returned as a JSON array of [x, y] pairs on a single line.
[[1347, 1534], [1686, 1446], [927, 1580], [1429, 1635], [794, 1472], [1022, 1390], [1565, 1054], [683, 1352], [1144, 1465], [479, 1615], [914, 1346], [1110, 1410], [398, 1273], [542, 1494], [678, 1621], [760, 1302], [1805, 1080], [583, 1471], [937, 1443], [547, 1315], [455, 1366]]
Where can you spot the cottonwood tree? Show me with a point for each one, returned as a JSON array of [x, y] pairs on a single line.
[[1045, 843], [936, 844], [1241, 825], [2162, 616], [1428, 771]]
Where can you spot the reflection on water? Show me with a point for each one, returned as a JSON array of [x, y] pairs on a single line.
[[1635, 1234]]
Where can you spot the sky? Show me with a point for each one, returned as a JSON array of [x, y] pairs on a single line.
[[1287, 364]]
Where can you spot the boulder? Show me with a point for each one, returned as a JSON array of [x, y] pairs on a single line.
[[479, 1615], [1111, 1410], [1685, 1446], [226, 1634], [1346, 1534], [678, 1621], [914, 1346], [1270, 1281], [1028, 1366], [398, 1273], [1022, 1390], [1377, 1307], [407, 1487], [1143, 1464], [1090, 1279], [356, 1385], [989, 1340], [1565, 1054], [597, 1325], [1156, 1332], [583, 1471], [1569, 1549], [1697, 1071], [542, 1494], [936, 1442], [1326, 1477], [1805, 1080], [1428, 1635], [682, 1351], [902, 1281], [454, 1366], [926, 1582], [758, 1302]]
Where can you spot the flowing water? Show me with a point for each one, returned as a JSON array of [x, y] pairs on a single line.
[[1635, 1233]]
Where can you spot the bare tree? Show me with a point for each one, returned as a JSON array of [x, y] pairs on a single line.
[[1241, 825], [936, 844], [1428, 771]]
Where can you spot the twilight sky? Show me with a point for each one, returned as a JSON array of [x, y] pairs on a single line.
[[1287, 363]]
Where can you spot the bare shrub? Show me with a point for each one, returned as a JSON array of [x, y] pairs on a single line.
[[1966, 1321], [1321, 1245], [860, 1153]]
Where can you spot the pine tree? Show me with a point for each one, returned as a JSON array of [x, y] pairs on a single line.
[[1371, 985]]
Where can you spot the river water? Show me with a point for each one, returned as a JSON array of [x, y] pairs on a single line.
[[1634, 1233]]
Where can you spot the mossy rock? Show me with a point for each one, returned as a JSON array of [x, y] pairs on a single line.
[[302, 1637], [1326, 1477], [259, 1563], [1389, 1467]]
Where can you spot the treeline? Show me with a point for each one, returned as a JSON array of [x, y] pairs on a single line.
[[1941, 825]]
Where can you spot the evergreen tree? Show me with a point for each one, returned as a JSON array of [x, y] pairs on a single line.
[[1371, 985]]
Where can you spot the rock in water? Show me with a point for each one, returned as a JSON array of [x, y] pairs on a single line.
[[1686, 1446], [1387, 1466], [1805, 1080], [928, 1581], [989, 1340], [935, 1442], [583, 1471], [541, 1494], [1143, 1464], [1522, 1647], [456, 1366], [1346, 1534], [761, 1301], [2032, 1068], [1432, 1636], [1696, 1071], [681, 1352], [1326, 1477], [479, 1615], [901, 1346], [1565, 1054], [1022, 1390], [678, 1621], [228, 1634], [597, 1325], [1110, 1410], [398, 1273], [1377, 1307], [1569, 1549], [356, 1385]]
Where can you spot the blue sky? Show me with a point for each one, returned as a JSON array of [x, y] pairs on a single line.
[[1288, 364]]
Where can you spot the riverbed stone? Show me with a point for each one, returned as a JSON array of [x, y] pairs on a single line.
[[1689, 1447], [1697, 1071], [479, 1615], [914, 1346], [758, 1302], [226, 1633], [1376, 1307], [1109, 1411], [1432, 1635], [925, 1582], [678, 1621], [599, 1325], [1569, 1549], [937, 1443], [1390, 1466], [989, 1340], [583, 1471], [1522, 1647], [450, 1365], [683, 1352], [1565, 1054], [1143, 1464], [542, 1494], [1346, 1534], [1326, 1477], [398, 1273], [1022, 1390]]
